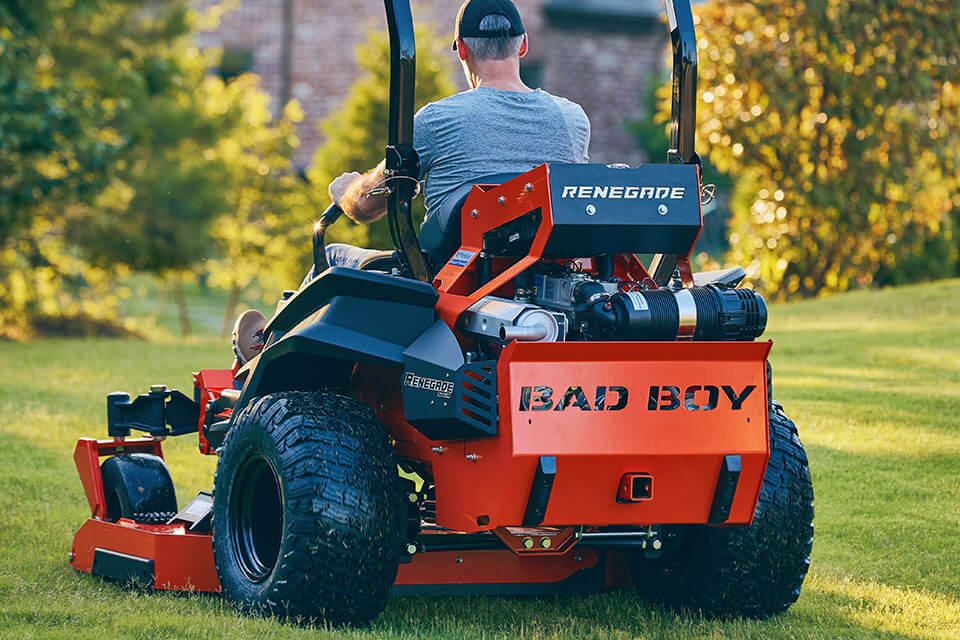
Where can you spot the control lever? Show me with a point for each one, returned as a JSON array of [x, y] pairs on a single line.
[[328, 217]]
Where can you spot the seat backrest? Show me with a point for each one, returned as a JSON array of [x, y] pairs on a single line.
[[440, 231]]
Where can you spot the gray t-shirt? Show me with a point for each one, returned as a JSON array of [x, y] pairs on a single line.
[[486, 131]]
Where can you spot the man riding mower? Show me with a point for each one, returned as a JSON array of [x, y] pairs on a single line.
[[499, 129], [533, 411]]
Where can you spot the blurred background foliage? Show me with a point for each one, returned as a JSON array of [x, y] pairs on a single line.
[[840, 121], [830, 127], [121, 152]]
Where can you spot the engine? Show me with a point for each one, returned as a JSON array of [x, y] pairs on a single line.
[[559, 303]]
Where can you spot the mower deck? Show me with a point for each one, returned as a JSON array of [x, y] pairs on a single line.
[[171, 557], [168, 557]]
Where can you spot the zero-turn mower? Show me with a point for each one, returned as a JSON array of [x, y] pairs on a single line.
[[512, 405]]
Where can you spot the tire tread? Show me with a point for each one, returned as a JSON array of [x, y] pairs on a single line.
[[341, 541], [752, 571]]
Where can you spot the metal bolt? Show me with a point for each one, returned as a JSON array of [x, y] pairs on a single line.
[[158, 387], [473, 213], [436, 449], [662, 209], [501, 200], [643, 544], [412, 497], [459, 559], [591, 209], [528, 187], [472, 457], [527, 542], [578, 558], [411, 548], [545, 543], [657, 544]]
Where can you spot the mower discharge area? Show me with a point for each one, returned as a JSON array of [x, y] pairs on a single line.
[[543, 414]]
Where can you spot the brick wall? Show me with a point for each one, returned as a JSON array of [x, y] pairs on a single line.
[[605, 72], [607, 75]]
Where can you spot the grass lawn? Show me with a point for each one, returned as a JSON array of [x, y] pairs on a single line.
[[871, 378]]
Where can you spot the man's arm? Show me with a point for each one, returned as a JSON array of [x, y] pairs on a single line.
[[351, 190]]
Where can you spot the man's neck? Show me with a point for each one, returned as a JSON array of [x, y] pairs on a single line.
[[504, 76]]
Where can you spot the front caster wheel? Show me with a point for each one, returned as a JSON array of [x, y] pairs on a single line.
[[307, 516], [138, 487]]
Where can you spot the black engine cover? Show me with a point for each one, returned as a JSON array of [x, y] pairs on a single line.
[[654, 208]]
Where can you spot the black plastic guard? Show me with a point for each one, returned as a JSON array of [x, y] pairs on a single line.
[[444, 398], [540, 491], [123, 567], [726, 489], [342, 317], [342, 281]]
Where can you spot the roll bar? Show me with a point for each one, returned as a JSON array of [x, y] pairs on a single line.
[[402, 164], [683, 107]]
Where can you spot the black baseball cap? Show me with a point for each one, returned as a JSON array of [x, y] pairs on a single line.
[[473, 11]]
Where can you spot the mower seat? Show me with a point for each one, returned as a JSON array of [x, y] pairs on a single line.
[[440, 231]]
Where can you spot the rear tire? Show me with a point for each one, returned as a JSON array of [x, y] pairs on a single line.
[[138, 487], [753, 571], [307, 517]]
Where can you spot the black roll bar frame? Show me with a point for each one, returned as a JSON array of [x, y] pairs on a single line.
[[402, 171], [683, 108]]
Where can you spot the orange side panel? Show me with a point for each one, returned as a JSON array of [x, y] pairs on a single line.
[[182, 561], [492, 567], [679, 436]]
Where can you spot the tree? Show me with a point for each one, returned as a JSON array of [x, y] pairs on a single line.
[[356, 133], [118, 150], [266, 235], [54, 152], [841, 119], [46, 117], [166, 185]]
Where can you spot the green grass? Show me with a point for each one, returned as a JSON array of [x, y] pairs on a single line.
[[872, 379]]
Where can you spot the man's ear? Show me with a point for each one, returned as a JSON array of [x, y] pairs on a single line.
[[461, 50], [523, 47]]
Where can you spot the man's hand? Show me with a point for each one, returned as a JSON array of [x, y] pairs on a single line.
[[340, 185], [350, 191]]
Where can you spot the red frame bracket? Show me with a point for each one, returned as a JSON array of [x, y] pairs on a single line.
[[87, 456]]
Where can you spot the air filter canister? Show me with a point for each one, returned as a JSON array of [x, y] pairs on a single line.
[[699, 313]]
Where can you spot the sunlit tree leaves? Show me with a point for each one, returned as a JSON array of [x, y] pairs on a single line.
[[842, 121]]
